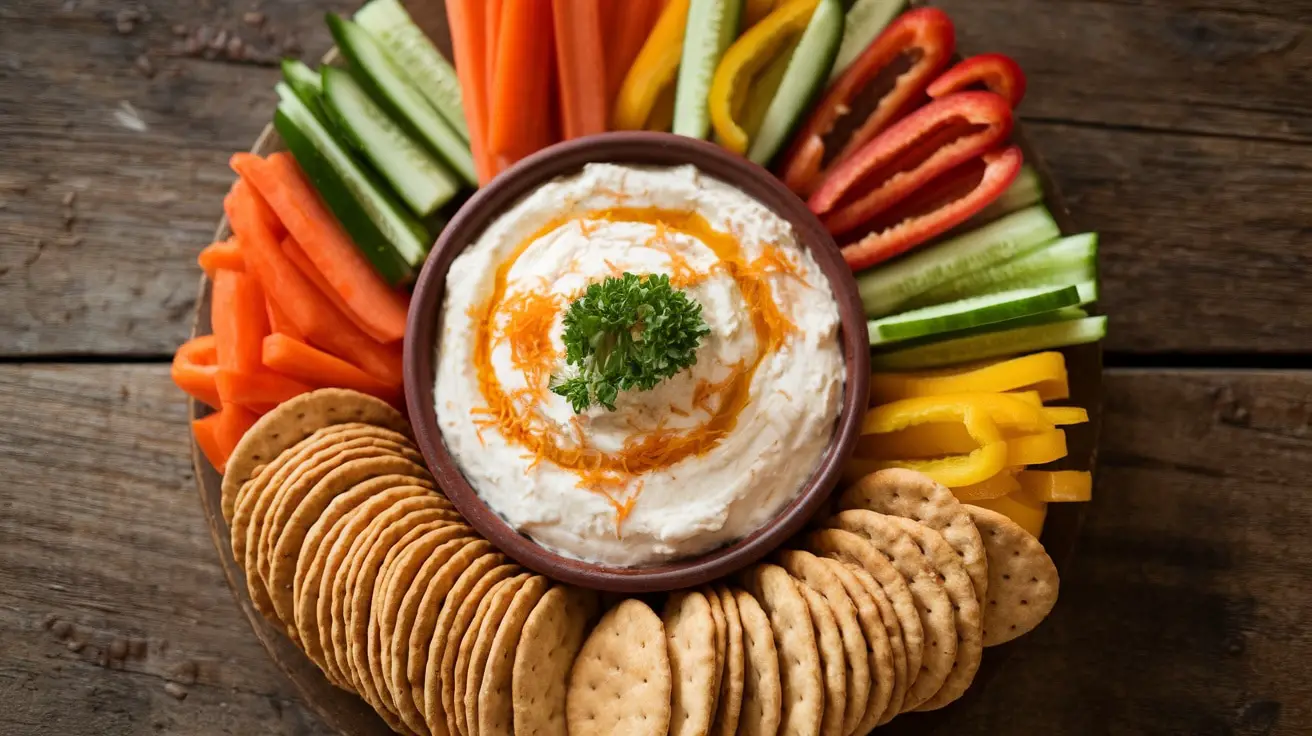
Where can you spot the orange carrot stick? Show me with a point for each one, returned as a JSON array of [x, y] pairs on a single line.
[[467, 20], [222, 254], [206, 432], [234, 424], [520, 103], [490, 37], [194, 368], [239, 320], [624, 36], [302, 362], [280, 323], [258, 389], [356, 287], [581, 64], [313, 313]]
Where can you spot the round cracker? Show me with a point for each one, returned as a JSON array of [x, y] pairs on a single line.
[[916, 496], [717, 616], [833, 661], [762, 703], [552, 637], [620, 682], [439, 684], [730, 701], [294, 420], [690, 634], [883, 639], [488, 698], [932, 602], [473, 654], [1023, 580], [799, 656], [858, 552]]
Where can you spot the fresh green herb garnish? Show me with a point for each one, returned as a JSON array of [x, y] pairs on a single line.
[[625, 333]]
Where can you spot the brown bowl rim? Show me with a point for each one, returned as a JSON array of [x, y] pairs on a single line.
[[649, 149]]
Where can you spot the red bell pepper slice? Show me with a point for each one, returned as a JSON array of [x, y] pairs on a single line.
[[946, 203], [997, 73], [926, 38], [930, 141]]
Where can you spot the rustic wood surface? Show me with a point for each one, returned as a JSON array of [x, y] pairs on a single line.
[[1180, 130]]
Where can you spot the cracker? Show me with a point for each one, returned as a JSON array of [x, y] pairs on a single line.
[[717, 616], [879, 625], [472, 659], [492, 712], [932, 602], [552, 637], [439, 684], [621, 681], [858, 552], [866, 699], [294, 420], [729, 700], [915, 496], [833, 662], [762, 702], [690, 634], [794, 636], [1023, 581]]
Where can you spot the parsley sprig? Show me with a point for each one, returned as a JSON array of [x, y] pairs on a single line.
[[626, 333]]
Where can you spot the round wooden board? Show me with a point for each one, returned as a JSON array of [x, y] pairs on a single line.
[[349, 715]]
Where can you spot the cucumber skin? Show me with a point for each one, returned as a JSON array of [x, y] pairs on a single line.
[[304, 82], [342, 203], [994, 345], [692, 117], [1053, 300], [1040, 266], [861, 13]]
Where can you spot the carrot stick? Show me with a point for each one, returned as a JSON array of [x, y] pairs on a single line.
[[581, 63], [234, 424], [358, 290], [297, 255], [239, 320], [206, 432], [624, 36], [295, 359], [222, 254], [520, 101], [313, 313], [279, 323], [467, 20], [194, 368], [490, 36], [258, 389]]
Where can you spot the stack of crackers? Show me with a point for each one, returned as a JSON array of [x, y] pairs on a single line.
[[351, 550]]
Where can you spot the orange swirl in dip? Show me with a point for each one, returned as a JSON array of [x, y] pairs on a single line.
[[704, 458]]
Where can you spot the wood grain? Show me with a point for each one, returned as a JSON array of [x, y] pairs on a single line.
[[1185, 610]]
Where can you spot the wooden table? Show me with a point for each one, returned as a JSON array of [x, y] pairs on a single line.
[[1180, 130]]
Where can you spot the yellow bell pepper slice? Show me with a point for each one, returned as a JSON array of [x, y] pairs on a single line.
[[1042, 372], [1057, 486], [744, 61], [1027, 513], [754, 11], [654, 71], [1014, 417], [1002, 484], [1029, 397], [1063, 415], [1036, 449], [984, 461]]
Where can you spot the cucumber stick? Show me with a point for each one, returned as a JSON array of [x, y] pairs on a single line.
[[387, 84], [994, 345], [413, 172], [410, 49], [887, 288], [1070, 260], [302, 79], [865, 21], [973, 312], [803, 80], [712, 26], [385, 232]]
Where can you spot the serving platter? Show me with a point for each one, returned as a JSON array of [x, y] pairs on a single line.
[[346, 713]]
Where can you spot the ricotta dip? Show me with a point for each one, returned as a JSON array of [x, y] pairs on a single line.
[[707, 456]]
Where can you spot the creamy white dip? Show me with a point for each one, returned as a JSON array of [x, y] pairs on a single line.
[[675, 471]]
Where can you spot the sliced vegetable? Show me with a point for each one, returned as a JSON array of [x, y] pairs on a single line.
[[994, 344], [279, 322], [384, 231], [1026, 191], [297, 360], [493, 35], [985, 461], [754, 11], [1027, 513], [971, 312], [194, 368], [410, 49], [765, 87], [239, 321], [307, 85], [625, 31], [997, 73], [1057, 486], [1045, 372], [367, 300], [1033, 449], [927, 39], [467, 21], [885, 290], [581, 66], [206, 432], [390, 85], [1070, 260], [223, 254], [712, 27], [521, 98], [652, 76], [1000, 485], [1066, 415], [802, 83], [866, 19], [259, 388]]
